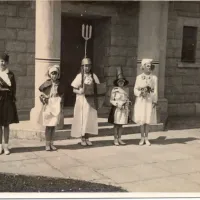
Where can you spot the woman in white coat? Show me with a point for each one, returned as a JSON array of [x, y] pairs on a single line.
[[146, 93], [85, 120]]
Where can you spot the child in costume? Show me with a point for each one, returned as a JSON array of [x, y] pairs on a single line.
[[146, 94], [51, 99], [85, 119], [119, 114], [8, 110]]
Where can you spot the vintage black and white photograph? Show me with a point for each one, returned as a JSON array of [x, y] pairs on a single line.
[[99, 96]]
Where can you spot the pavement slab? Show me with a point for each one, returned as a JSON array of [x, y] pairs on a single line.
[[170, 164], [166, 184]]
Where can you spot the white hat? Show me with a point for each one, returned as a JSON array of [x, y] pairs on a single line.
[[54, 68], [146, 61]]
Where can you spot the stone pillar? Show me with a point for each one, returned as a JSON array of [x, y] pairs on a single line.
[[47, 45], [152, 43]]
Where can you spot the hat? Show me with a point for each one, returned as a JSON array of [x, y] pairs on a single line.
[[4, 56], [120, 76], [146, 61], [54, 68], [86, 61]]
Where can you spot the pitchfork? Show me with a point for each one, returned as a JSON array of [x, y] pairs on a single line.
[[86, 34]]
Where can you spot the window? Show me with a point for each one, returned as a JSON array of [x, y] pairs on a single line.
[[189, 44]]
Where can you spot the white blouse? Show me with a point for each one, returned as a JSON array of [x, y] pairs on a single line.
[[4, 76], [87, 80], [144, 80]]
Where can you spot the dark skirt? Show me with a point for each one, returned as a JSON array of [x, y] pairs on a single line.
[[8, 110], [111, 115]]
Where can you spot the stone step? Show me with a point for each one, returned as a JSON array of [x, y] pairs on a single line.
[[24, 115], [180, 123], [25, 130]]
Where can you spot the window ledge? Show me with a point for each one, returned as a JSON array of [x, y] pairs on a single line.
[[188, 65]]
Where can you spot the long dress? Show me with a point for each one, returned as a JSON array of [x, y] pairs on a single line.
[[85, 117], [8, 110], [119, 114], [144, 113]]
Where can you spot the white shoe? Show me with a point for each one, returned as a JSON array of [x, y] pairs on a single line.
[[53, 148], [6, 150], [1, 149], [47, 147], [141, 142], [89, 143], [147, 142], [121, 142], [83, 143], [116, 143]]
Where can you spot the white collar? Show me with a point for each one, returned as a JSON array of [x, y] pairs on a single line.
[[146, 74]]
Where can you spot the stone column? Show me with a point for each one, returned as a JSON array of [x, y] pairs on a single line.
[[152, 43], [47, 45]]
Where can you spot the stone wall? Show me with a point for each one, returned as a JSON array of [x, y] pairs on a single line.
[[122, 51], [182, 82], [17, 36]]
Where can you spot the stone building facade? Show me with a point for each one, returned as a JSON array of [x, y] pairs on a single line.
[[182, 79], [125, 33]]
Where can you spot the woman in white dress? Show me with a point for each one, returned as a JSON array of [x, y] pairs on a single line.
[[85, 120], [146, 94]]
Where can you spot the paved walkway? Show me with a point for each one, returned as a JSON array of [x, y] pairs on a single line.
[[171, 164]]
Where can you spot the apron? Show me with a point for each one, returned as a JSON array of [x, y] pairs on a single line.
[[51, 112]]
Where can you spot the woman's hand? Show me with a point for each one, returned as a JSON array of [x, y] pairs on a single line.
[[81, 91]]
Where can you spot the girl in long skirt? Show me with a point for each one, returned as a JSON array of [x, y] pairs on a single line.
[[85, 119], [119, 113], [8, 110], [51, 99], [146, 94]]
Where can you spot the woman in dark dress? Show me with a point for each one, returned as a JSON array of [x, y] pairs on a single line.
[[8, 111]]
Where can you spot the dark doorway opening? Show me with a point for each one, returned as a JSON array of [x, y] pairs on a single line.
[[72, 52]]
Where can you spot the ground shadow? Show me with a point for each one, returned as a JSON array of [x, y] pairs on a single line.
[[104, 143]]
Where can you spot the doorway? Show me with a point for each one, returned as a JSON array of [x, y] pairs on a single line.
[[72, 52]]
